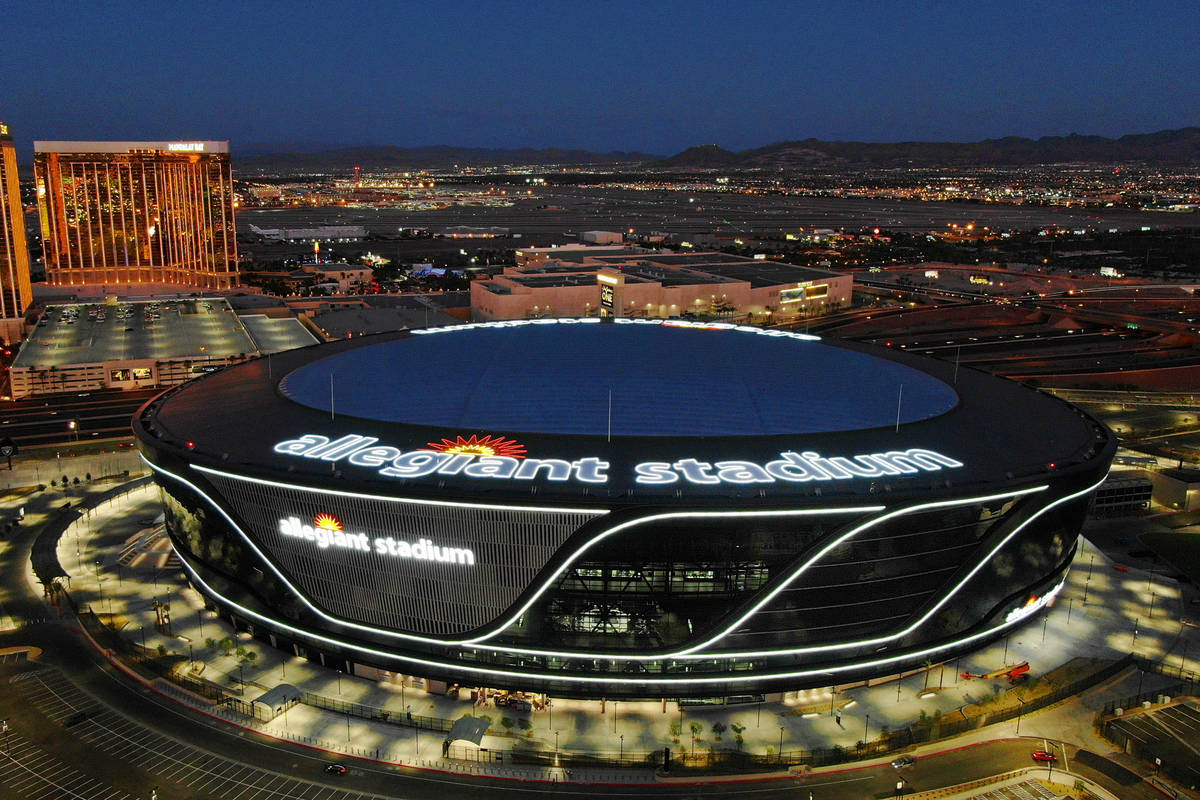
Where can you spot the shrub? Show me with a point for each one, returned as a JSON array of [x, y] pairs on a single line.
[[676, 728], [695, 728], [507, 722], [718, 728], [524, 724]]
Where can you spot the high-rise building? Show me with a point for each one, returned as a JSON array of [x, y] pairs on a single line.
[[122, 213], [15, 293]]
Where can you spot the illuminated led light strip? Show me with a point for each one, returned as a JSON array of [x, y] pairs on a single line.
[[390, 499], [666, 323], [513, 617], [690, 652], [587, 679]]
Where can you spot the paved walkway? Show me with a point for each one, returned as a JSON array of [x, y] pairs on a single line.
[[1102, 613]]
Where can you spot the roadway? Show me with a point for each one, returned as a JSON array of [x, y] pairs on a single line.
[[100, 414], [96, 730]]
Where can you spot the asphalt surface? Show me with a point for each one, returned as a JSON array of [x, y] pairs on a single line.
[[94, 734], [46, 420]]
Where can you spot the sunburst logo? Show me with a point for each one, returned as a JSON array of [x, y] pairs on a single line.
[[480, 446], [327, 522]]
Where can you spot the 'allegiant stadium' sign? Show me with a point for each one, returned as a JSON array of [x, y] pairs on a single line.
[[327, 532], [486, 459]]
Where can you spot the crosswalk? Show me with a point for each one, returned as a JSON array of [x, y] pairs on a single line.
[[169, 760]]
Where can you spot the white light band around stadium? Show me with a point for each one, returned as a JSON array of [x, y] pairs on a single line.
[[689, 653]]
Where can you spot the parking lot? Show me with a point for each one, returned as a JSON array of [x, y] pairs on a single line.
[[182, 769], [1168, 734]]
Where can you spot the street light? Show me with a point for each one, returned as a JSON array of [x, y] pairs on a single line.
[[780, 744]]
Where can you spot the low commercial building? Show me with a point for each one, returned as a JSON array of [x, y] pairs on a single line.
[[324, 233], [630, 282], [602, 237], [347, 277], [1177, 489]]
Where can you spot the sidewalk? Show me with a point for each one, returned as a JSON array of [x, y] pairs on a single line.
[[1115, 618]]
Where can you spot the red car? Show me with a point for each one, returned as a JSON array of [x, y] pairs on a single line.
[[1044, 756]]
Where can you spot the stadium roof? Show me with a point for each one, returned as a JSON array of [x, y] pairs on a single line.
[[662, 380]]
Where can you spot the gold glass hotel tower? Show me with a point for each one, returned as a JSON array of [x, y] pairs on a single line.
[[15, 293], [123, 213]]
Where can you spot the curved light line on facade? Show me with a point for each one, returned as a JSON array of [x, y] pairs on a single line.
[[879, 662], [690, 653], [390, 499], [444, 642]]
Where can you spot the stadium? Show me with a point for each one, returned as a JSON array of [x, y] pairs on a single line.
[[621, 508]]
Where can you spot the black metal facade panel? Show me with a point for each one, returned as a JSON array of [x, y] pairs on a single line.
[[373, 585]]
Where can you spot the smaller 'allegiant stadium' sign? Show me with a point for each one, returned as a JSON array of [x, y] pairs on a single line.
[[497, 458], [327, 532]]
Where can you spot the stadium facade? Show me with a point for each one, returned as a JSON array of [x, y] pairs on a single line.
[[621, 508]]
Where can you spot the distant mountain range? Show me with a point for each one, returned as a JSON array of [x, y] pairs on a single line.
[[1164, 147], [387, 157], [1180, 146]]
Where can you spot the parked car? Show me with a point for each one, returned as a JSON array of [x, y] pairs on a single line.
[[1044, 756]]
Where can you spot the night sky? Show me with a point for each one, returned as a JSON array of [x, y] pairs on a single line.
[[647, 76]]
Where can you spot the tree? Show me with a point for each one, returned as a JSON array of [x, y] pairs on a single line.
[[718, 728]]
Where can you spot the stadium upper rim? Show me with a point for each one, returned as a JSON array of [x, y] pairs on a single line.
[[248, 418]]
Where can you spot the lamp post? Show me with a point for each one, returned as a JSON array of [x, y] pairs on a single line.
[[866, 728], [1088, 582], [780, 744], [622, 747]]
